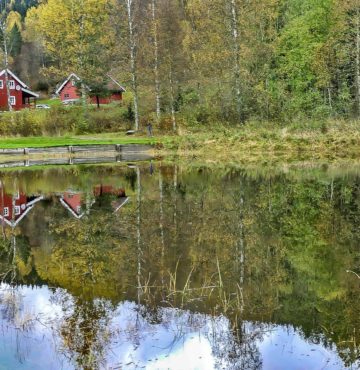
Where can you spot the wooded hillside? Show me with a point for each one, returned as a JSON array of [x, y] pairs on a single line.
[[225, 60]]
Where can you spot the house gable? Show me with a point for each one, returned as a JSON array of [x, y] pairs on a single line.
[[69, 91], [19, 91]]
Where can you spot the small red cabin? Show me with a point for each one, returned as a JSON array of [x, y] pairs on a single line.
[[20, 94], [69, 91]]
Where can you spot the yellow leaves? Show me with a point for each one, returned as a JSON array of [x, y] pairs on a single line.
[[76, 34], [13, 19]]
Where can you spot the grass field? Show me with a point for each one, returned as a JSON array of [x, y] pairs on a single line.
[[50, 102], [36, 142]]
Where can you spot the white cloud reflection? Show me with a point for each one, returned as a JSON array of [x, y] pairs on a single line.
[[138, 338]]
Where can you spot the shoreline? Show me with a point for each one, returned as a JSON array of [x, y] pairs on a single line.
[[249, 144]]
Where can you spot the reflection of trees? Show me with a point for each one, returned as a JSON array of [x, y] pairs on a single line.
[[298, 248], [272, 249], [84, 329]]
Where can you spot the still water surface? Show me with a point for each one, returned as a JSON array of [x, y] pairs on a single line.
[[163, 266]]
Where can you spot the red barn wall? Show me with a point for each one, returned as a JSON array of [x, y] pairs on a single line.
[[116, 96], [69, 92], [16, 92], [107, 100]]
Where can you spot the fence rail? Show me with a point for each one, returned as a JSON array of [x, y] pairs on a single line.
[[97, 148]]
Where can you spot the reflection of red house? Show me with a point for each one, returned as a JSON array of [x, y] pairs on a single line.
[[20, 94], [78, 204], [108, 189], [13, 208], [69, 90], [119, 193], [74, 203]]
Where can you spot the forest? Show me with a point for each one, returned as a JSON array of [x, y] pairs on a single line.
[[198, 60]]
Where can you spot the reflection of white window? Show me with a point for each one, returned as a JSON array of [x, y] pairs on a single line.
[[66, 96], [6, 211], [1, 84], [12, 100], [78, 209], [72, 83], [12, 84], [17, 210]]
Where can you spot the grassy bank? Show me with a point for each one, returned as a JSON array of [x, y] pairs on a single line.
[[254, 141], [211, 142], [46, 141]]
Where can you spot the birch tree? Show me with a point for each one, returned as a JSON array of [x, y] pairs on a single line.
[[357, 54], [236, 55], [133, 62], [156, 57], [4, 8]]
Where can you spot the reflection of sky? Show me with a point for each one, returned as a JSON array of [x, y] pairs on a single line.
[[168, 339]]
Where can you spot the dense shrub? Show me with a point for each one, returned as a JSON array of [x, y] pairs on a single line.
[[60, 120]]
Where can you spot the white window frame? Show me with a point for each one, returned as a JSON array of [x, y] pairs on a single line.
[[73, 83], [17, 195], [1, 84], [12, 84], [78, 209], [6, 211], [13, 100], [17, 210]]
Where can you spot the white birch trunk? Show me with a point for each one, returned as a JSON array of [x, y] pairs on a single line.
[[241, 255], [156, 61], [138, 232], [236, 51], [6, 64], [172, 100], [357, 24], [2, 214], [161, 226], [133, 68]]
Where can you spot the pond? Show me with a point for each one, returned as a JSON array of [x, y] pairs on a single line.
[[156, 265]]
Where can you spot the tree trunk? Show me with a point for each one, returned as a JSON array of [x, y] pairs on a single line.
[[358, 59], [241, 254], [133, 67], [236, 51], [6, 64], [156, 61], [172, 100], [98, 101], [138, 232], [161, 227]]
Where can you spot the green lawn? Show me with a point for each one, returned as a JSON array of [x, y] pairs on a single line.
[[50, 102], [36, 142]]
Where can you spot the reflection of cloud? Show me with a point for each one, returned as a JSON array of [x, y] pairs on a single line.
[[165, 338], [284, 348], [176, 341]]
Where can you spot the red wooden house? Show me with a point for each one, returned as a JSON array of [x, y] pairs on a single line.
[[69, 91], [20, 94], [13, 208]]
